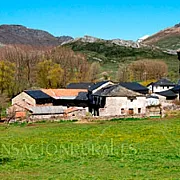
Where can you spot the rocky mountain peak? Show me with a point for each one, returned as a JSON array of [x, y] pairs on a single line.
[[18, 34]]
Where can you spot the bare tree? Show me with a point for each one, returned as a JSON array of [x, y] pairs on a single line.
[[123, 73], [27, 58], [143, 70], [94, 71]]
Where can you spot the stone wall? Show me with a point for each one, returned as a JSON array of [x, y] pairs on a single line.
[[153, 111], [23, 97], [118, 106]]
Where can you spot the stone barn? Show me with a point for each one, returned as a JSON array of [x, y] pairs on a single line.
[[22, 103], [32, 98], [115, 100]]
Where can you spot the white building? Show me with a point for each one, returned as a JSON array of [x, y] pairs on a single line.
[[161, 85]]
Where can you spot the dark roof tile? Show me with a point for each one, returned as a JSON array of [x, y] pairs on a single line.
[[134, 86], [168, 93], [97, 85], [116, 91], [79, 85], [164, 82], [37, 94], [83, 96]]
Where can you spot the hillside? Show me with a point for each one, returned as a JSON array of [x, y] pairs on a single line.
[[17, 34], [167, 39], [111, 55]]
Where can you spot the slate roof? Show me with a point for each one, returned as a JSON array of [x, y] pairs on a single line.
[[171, 92], [40, 110], [79, 85], [134, 86], [168, 93], [176, 89], [82, 96], [37, 94], [164, 82], [97, 85], [116, 91]]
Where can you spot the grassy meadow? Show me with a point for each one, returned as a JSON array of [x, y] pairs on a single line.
[[120, 149]]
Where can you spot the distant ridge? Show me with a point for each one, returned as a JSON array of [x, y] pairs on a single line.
[[168, 38], [18, 34]]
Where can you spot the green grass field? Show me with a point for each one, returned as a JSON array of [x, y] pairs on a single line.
[[131, 149]]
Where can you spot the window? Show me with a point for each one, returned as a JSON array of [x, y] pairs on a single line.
[[131, 111], [122, 111], [139, 110]]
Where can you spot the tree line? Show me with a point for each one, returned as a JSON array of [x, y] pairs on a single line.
[[142, 70], [23, 67]]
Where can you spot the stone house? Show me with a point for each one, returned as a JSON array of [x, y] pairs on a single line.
[[22, 103], [50, 100], [116, 100]]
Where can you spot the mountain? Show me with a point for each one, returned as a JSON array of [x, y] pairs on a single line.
[[17, 34], [90, 39], [63, 39], [140, 43], [167, 39]]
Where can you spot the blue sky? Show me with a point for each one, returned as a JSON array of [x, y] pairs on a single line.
[[108, 19]]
